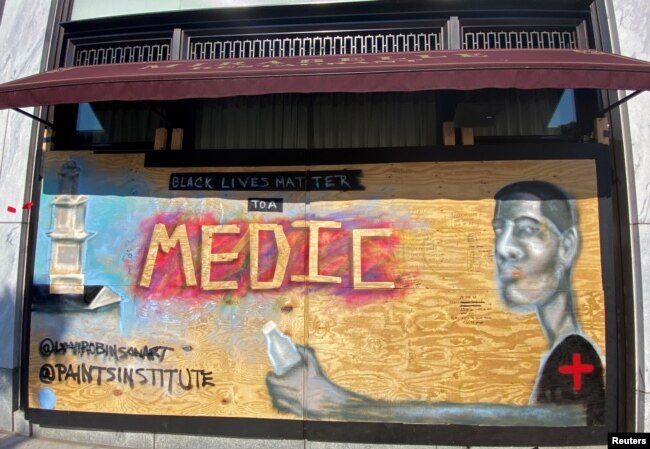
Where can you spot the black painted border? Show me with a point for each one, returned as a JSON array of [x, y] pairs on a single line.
[[199, 425], [342, 157]]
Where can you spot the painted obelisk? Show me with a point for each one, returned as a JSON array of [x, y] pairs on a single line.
[[69, 234]]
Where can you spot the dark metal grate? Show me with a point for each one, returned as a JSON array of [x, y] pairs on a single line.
[[119, 52], [484, 39], [320, 45]]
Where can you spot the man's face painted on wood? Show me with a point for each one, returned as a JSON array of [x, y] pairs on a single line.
[[528, 252]]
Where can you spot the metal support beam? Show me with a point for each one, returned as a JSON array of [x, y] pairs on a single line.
[[618, 103], [33, 117]]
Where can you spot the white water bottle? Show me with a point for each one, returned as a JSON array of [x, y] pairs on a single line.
[[282, 352]]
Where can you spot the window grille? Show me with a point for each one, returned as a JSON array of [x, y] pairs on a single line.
[[493, 39], [119, 52], [313, 45], [322, 44]]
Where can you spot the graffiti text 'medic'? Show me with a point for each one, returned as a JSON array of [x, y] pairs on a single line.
[[162, 241]]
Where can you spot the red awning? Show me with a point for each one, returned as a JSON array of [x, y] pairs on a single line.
[[416, 71]]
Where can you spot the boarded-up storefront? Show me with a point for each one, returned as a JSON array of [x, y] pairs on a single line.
[[412, 294]]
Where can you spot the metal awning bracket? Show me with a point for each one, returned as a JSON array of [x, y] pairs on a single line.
[[602, 112], [33, 117]]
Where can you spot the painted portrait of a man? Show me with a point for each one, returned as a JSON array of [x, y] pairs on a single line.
[[536, 242]]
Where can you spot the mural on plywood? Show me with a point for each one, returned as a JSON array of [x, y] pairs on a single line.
[[423, 292]]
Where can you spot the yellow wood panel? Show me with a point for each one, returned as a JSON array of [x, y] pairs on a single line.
[[428, 346], [425, 345], [441, 335], [234, 351]]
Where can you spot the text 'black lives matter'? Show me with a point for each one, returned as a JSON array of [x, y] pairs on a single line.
[[332, 180]]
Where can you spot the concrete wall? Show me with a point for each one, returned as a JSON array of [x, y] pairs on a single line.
[[630, 29]]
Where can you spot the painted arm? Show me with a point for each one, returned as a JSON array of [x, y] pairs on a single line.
[[325, 400]]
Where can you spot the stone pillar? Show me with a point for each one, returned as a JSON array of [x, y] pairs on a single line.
[[22, 39], [629, 22]]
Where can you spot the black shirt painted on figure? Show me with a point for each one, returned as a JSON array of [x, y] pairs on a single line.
[[573, 375]]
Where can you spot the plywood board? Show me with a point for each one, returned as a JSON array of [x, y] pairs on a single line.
[[392, 286]]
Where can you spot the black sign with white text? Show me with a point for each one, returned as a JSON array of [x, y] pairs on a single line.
[[335, 180], [621, 440], [265, 205]]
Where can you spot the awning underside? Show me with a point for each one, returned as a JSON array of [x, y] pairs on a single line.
[[390, 72]]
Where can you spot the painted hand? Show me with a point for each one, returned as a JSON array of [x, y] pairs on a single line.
[[307, 392]]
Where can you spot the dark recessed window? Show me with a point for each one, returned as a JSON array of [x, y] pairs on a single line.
[[331, 120]]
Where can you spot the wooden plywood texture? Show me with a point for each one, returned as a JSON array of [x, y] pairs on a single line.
[[392, 286]]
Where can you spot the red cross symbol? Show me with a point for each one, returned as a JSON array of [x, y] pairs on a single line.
[[577, 369]]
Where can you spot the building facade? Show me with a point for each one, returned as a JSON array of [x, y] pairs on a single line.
[[37, 42]]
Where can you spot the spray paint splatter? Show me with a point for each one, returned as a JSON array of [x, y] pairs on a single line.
[[46, 398], [379, 262]]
